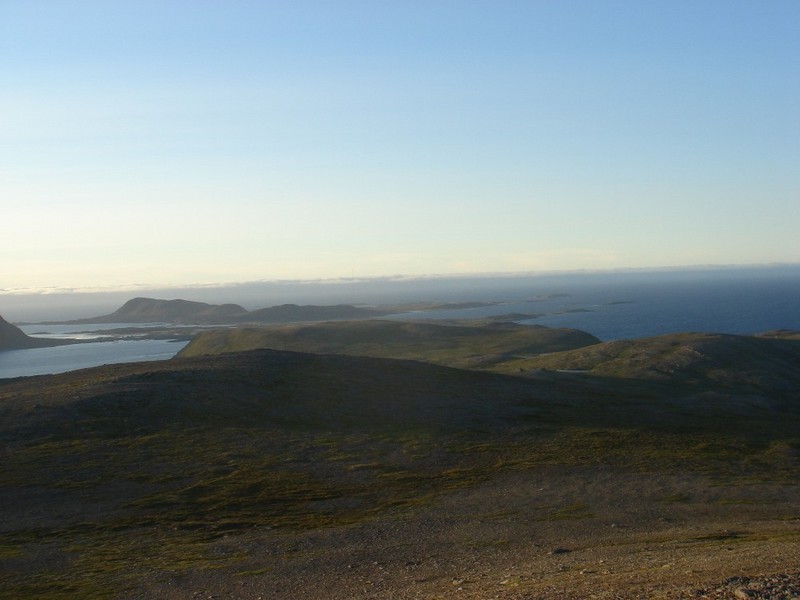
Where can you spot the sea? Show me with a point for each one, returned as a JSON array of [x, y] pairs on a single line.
[[609, 305]]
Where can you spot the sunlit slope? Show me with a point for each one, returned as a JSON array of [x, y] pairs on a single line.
[[474, 345], [152, 310], [769, 361]]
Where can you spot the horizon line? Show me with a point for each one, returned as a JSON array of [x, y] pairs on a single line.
[[113, 289]]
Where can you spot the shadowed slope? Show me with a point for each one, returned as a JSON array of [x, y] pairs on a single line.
[[13, 338], [270, 388]]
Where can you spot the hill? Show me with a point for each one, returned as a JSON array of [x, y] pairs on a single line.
[[280, 474], [13, 338], [783, 334], [733, 362], [288, 313], [459, 344], [151, 310]]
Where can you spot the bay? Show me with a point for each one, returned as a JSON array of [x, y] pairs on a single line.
[[99, 346], [59, 359]]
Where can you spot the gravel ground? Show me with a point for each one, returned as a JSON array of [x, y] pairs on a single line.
[[781, 586], [499, 542]]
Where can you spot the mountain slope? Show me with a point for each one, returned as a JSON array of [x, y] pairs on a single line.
[[13, 338], [151, 310], [734, 361]]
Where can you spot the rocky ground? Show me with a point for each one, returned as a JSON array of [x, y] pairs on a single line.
[[770, 587], [556, 534]]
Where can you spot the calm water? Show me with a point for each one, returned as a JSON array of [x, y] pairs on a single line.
[[610, 306], [42, 361], [630, 306]]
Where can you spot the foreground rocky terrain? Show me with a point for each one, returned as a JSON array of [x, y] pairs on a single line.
[[276, 474]]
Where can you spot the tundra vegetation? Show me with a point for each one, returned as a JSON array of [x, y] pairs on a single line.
[[259, 467]]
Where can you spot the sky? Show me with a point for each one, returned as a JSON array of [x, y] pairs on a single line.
[[198, 142]]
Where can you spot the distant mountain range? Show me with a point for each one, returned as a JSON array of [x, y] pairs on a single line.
[[152, 310]]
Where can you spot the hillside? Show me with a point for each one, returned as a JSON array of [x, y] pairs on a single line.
[[13, 338], [291, 475], [770, 361], [783, 334], [462, 344], [288, 313], [151, 310]]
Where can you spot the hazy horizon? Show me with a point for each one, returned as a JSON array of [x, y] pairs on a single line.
[[74, 304], [175, 143]]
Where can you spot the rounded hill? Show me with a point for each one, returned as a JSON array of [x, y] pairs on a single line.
[[458, 344]]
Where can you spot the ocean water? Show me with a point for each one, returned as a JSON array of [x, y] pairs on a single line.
[[608, 305], [59, 359], [633, 305]]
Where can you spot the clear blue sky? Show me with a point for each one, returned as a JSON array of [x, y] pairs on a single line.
[[179, 142]]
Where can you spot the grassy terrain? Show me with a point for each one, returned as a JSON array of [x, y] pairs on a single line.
[[481, 344], [741, 363], [117, 474]]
